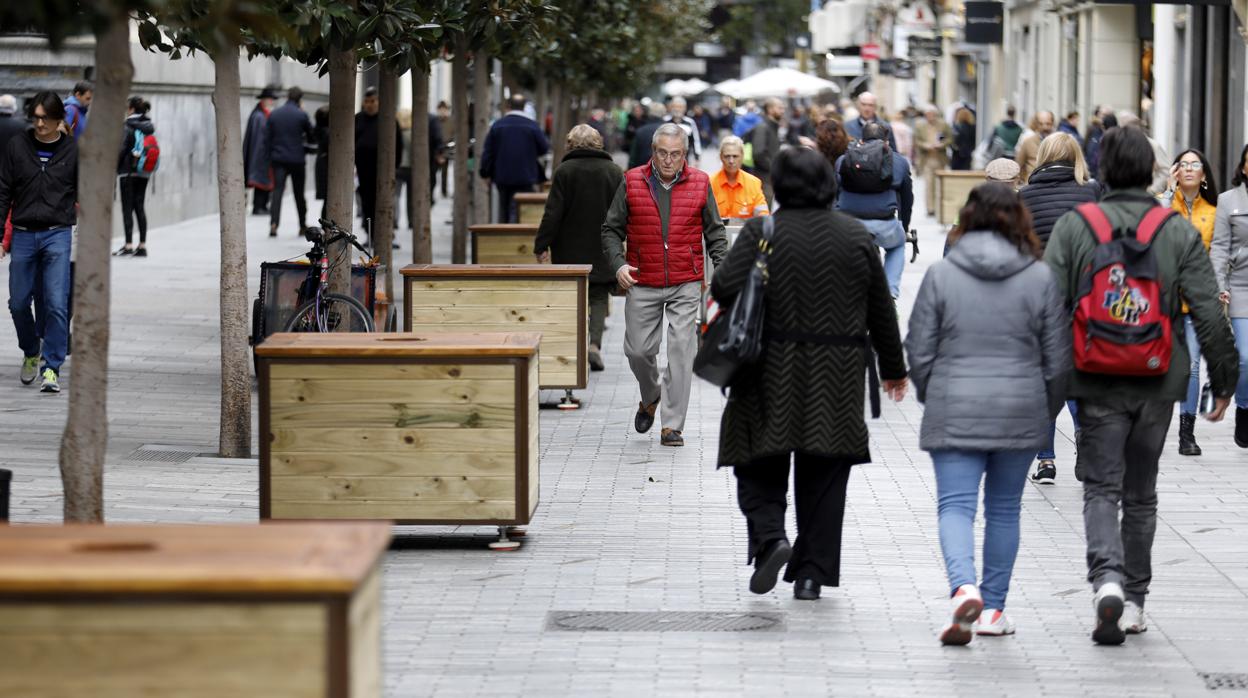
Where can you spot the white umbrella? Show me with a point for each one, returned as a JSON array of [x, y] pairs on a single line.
[[685, 88], [781, 82], [726, 87], [694, 86], [674, 87]]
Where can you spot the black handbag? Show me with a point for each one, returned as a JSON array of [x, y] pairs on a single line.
[[735, 338]]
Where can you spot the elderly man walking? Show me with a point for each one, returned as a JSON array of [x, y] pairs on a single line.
[[868, 113], [664, 209]]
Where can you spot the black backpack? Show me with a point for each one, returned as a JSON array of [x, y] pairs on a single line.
[[867, 167]]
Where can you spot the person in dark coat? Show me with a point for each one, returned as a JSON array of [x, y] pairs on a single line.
[[1059, 183], [131, 179], [289, 132], [963, 140], [320, 174], [641, 150], [989, 349], [510, 155], [366, 155], [580, 195], [827, 297], [256, 153]]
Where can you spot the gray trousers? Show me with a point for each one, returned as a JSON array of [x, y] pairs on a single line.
[[643, 330], [1120, 443]]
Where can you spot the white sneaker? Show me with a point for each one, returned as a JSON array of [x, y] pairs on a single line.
[[1108, 603], [1132, 621], [967, 604], [994, 622]]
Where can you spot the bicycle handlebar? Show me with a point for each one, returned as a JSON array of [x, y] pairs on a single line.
[[341, 234]]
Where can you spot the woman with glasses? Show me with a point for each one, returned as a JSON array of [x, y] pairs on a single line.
[[1193, 192], [1230, 265]]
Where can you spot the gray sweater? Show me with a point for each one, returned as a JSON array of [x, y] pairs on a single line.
[[989, 348], [1229, 250]]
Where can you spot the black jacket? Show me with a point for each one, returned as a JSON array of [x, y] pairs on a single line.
[[288, 129], [40, 196], [125, 158], [10, 126], [580, 195], [1051, 191]]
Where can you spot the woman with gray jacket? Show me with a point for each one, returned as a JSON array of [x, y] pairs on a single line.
[[989, 349], [1229, 253]]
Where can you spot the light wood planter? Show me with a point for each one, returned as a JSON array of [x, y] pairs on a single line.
[[502, 243], [548, 298], [413, 428], [952, 188], [277, 610], [530, 207]]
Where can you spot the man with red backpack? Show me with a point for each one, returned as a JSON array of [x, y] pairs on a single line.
[[1125, 266]]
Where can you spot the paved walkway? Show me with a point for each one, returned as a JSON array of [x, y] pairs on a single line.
[[625, 525]]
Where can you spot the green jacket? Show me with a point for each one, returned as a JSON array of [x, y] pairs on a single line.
[[1186, 274]]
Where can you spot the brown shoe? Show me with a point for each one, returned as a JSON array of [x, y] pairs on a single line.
[[595, 359], [645, 416], [671, 437]]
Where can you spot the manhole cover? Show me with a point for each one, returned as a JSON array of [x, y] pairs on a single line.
[[163, 454], [1221, 681], [663, 621]]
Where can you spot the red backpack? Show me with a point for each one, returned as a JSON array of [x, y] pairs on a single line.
[[1121, 326]]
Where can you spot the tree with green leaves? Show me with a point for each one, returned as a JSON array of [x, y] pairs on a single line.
[[765, 27]]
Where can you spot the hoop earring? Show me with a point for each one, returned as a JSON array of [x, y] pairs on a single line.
[[1204, 184]]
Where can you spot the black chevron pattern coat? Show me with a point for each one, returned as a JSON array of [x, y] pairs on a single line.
[[825, 278]]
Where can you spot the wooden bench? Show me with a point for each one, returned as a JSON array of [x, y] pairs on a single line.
[[280, 610], [952, 188], [530, 207], [414, 428], [502, 243], [547, 298]]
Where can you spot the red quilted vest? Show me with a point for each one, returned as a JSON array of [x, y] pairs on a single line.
[[680, 259]]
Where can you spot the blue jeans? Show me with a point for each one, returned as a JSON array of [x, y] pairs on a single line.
[[1192, 402], [1047, 452], [41, 258], [1240, 326], [958, 474], [890, 235]]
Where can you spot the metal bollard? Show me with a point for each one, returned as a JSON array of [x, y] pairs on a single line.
[[5, 477]]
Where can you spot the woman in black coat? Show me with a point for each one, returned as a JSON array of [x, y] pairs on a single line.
[[963, 140], [1059, 183], [580, 194], [826, 297]]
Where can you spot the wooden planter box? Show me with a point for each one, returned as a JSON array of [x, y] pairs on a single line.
[[417, 429], [547, 298], [277, 610], [502, 243], [952, 188], [530, 207]]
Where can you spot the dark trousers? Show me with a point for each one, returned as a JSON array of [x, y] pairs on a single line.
[[259, 202], [1120, 443], [507, 202], [599, 298], [819, 486], [134, 207], [445, 169], [298, 174]]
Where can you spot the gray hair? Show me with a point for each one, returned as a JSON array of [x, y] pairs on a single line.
[[731, 140], [670, 130], [584, 136], [8, 104], [657, 110], [679, 100]]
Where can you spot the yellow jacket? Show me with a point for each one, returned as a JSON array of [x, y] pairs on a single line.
[[741, 199], [1201, 217]]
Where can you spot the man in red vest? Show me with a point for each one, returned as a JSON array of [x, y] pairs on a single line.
[[664, 209]]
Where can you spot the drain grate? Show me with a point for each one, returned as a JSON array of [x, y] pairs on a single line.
[[663, 621], [163, 454], [1222, 681]]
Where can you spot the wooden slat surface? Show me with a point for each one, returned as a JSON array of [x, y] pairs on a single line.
[[495, 270], [428, 463], [390, 371], [503, 249], [398, 345], [397, 510], [364, 621], [531, 197], [271, 558]]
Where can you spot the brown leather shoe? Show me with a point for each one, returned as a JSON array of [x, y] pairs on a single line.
[[645, 416], [671, 437]]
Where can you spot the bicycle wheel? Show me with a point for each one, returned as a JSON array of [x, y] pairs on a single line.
[[334, 313]]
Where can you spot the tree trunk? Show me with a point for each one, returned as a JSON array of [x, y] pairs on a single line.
[[422, 240], [459, 114], [85, 440], [481, 126], [234, 440], [339, 197], [387, 147], [558, 125]]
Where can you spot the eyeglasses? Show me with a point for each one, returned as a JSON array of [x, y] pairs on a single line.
[[43, 117], [669, 155], [1191, 166]]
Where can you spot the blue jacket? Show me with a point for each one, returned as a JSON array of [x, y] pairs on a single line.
[[745, 122], [853, 127], [75, 116], [897, 201], [511, 150], [288, 129]]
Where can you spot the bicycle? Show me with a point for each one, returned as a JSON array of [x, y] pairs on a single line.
[[325, 311]]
